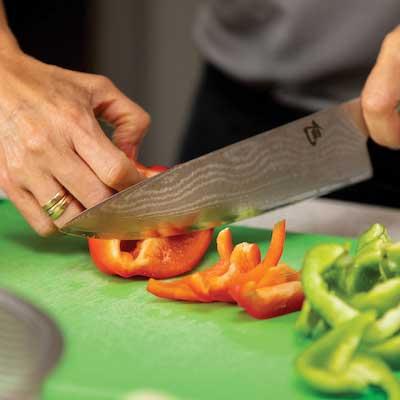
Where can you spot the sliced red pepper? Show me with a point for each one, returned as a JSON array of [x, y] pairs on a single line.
[[263, 289], [213, 283], [152, 257], [271, 301], [276, 275], [245, 256], [177, 290], [272, 276], [272, 258], [276, 246], [181, 289]]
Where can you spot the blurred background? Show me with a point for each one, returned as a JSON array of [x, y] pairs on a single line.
[[145, 47]]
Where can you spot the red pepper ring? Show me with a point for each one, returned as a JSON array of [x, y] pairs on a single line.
[[152, 257]]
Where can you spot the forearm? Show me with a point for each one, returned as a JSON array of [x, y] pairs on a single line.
[[7, 39]]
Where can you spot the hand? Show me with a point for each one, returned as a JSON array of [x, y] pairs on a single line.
[[380, 98], [50, 140]]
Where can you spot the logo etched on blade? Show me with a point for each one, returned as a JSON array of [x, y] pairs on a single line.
[[313, 132]]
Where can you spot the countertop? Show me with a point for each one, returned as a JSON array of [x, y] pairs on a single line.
[[331, 217]]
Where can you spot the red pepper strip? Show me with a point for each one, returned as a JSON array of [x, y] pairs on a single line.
[[153, 257], [272, 258], [180, 289], [279, 274], [275, 249], [177, 290], [272, 276], [244, 257], [271, 301]]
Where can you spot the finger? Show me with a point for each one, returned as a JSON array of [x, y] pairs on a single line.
[[25, 202], [78, 179], [30, 209], [131, 122], [108, 162], [44, 189], [381, 94]]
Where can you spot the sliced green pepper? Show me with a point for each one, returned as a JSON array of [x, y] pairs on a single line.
[[307, 320], [375, 232], [381, 298], [326, 364], [331, 307], [385, 327], [365, 271], [376, 373], [390, 264], [389, 351], [339, 289]]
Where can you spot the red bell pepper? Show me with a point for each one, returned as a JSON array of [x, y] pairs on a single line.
[[152, 257], [186, 288]]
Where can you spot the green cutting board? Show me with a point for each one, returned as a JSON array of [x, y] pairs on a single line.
[[120, 340]]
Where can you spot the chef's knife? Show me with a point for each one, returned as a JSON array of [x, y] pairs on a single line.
[[305, 158]]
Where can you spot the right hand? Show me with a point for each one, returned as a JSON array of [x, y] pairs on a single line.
[[50, 140]]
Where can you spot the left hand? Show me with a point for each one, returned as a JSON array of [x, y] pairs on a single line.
[[380, 98]]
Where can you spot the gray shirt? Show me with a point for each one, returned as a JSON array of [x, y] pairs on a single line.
[[312, 53]]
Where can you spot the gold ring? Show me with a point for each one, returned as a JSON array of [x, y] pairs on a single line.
[[58, 208], [51, 203]]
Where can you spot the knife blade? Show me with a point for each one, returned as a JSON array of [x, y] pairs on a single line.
[[306, 158]]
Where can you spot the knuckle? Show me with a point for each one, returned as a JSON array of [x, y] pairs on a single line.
[[16, 167], [145, 121], [375, 104], [96, 196], [392, 38], [72, 114], [102, 81], [116, 172], [78, 117], [45, 228], [36, 143]]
